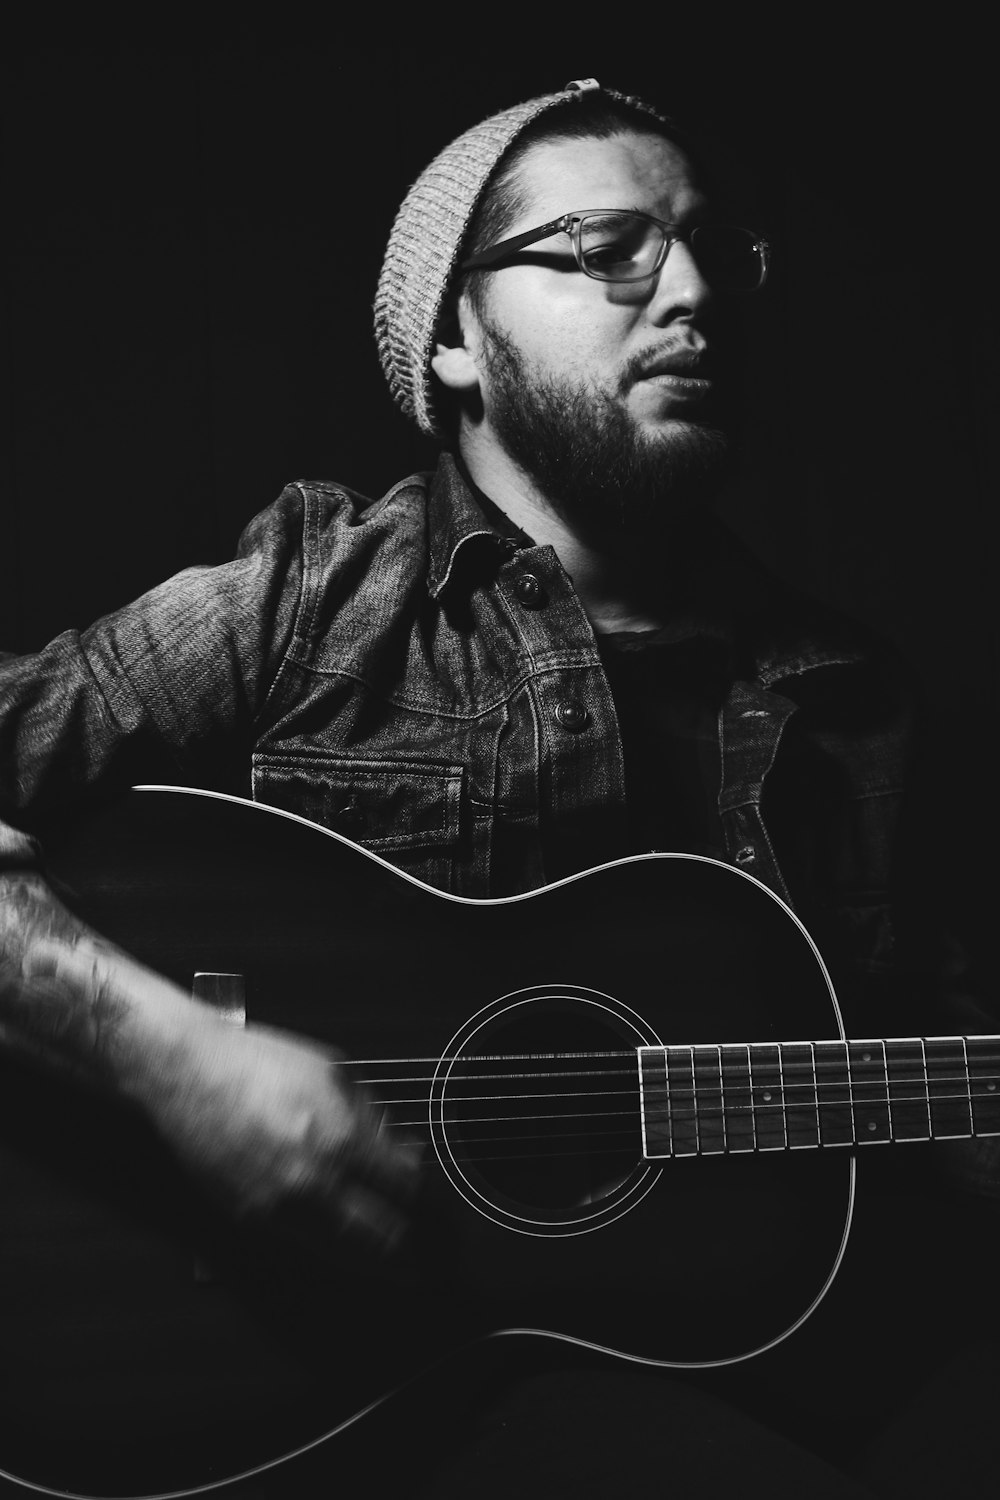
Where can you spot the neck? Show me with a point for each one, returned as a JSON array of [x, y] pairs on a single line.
[[769, 1096], [613, 579]]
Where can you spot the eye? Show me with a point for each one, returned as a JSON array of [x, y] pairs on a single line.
[[607, 257], [617, 246]]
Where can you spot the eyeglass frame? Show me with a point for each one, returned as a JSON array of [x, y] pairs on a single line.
[[569, 223]]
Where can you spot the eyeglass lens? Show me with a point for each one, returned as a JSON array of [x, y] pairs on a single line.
[[624, 247]]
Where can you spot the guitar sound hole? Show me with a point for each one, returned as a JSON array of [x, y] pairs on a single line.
[[544, 1113]]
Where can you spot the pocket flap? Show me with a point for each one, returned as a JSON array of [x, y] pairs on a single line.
[[383, 804]]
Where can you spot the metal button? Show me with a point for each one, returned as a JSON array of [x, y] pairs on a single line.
[[746, 855], [529, 590], [572, 715], [350, 820]]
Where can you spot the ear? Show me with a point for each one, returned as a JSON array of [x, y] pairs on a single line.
[[455, 367], [454, 362]]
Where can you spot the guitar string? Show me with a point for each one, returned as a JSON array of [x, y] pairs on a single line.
[[727, 1111], [549, 1156], [633, 1152], [519, 1098], [813, 1088], [717, 1146], [975, 1073], [814, 1085], [691, 1048], [984, 1088]]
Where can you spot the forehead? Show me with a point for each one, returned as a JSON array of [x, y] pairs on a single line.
[[627, 171]]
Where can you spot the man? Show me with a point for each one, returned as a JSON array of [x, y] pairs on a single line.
[[548, 651]]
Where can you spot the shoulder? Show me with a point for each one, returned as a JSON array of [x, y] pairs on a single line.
[[325, 514], [339, 506], [785, 630]]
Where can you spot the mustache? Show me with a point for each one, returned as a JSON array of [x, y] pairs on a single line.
[[681, 357]]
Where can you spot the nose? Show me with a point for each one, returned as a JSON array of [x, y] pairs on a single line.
[[679, 290]]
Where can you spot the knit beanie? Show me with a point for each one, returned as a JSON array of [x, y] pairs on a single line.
[[427, 236]]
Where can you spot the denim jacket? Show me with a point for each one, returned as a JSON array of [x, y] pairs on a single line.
[[409, 674]]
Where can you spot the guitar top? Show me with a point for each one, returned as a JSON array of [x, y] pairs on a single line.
[[597, 1077]]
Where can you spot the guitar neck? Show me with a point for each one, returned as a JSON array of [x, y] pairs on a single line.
[[780, 1096]]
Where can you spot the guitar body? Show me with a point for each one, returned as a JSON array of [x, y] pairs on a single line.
[[150, 1347]]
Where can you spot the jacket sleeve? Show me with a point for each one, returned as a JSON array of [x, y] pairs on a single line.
[[170, 686]]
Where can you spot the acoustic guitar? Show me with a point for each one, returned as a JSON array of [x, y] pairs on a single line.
[[636, 1105]]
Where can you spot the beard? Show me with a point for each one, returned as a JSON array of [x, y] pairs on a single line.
[[590, 459]]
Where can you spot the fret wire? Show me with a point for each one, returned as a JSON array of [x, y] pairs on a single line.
[[850, 1094], [642, 1108], [802, 1120], [948, 1120], [765, 1070], [687, 1133], [985, 1101], [738, 1116], [722, 1100], [697, 1121], [753, 1112], [710, 1058], [908, 1091], [657, 1106], [830, 1058]]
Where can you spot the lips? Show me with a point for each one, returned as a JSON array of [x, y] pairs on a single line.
[[686, 363], [681, 376], [684, 385]]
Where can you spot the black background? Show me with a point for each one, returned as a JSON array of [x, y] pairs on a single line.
[[196, 217]]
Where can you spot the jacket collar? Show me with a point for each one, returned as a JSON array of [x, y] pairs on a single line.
[[780, 633], [461, 520]]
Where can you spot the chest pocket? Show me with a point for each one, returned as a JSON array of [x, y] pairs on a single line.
[[408, 811]]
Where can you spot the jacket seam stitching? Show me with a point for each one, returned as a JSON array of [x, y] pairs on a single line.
[[304, 608], [430, 705]]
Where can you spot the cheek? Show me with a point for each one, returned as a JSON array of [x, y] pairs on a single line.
[[540, 309], [560, 329], [571, 347]]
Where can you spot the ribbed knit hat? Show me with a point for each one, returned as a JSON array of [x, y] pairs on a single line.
[[426, 238]]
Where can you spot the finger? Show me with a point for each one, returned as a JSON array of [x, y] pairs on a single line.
[[379, 1152]]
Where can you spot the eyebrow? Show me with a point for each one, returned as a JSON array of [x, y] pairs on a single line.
[[610, 212], [696, 210]]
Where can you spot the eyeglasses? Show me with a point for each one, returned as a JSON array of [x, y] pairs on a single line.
[[615, 245]]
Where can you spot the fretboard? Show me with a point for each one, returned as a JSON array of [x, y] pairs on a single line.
[[780, 1096]]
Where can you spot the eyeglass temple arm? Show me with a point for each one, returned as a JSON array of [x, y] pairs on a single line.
[[517, 242]]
